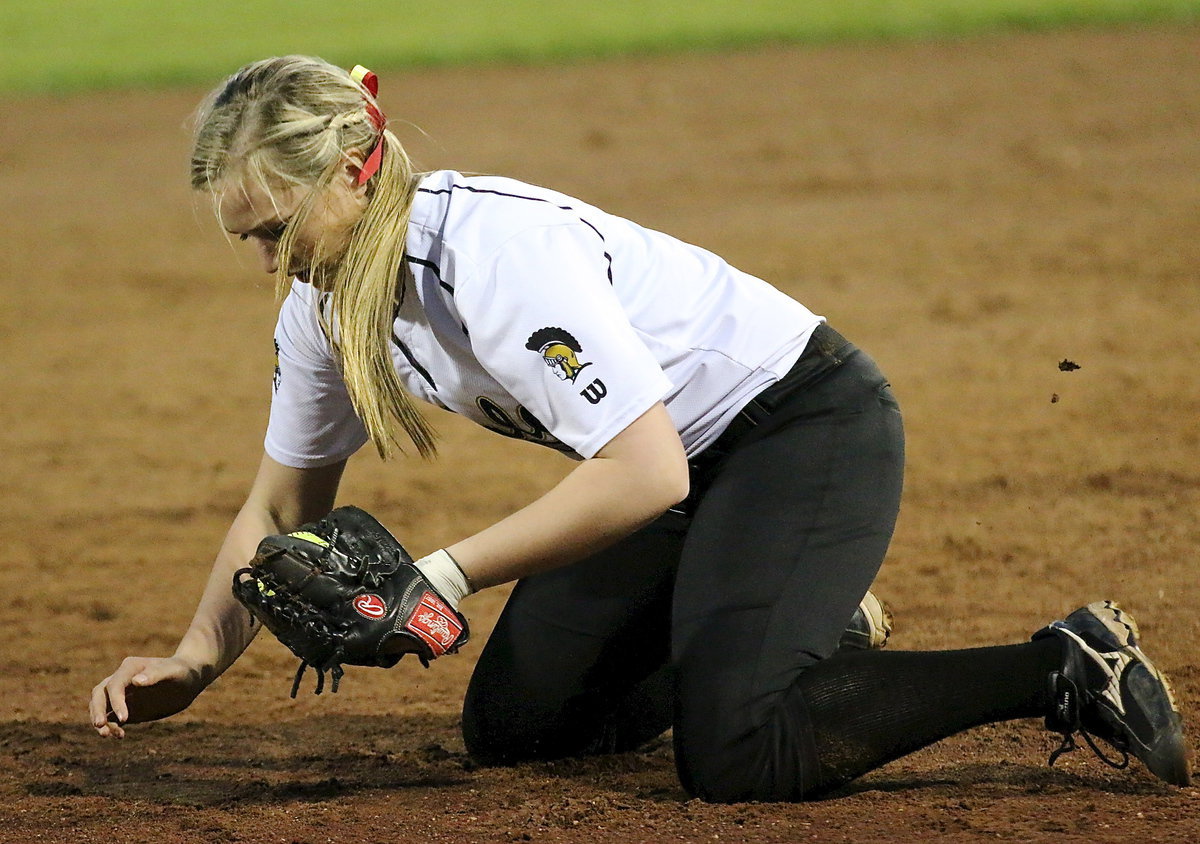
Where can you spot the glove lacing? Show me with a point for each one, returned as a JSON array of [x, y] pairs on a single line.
[[335, 671], [302, 614]]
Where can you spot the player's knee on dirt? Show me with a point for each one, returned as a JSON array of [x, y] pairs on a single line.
[[503, 725], [503, 732], [721, 760], [494, 737]]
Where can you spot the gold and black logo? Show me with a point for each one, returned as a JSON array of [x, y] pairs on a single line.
[[560, 350]]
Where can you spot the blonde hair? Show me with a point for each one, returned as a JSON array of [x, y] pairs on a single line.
[[291, 122]]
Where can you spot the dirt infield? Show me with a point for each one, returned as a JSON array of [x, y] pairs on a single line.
[[972, 213]]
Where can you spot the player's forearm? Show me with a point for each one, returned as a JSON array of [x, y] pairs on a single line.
[[281, 499], [221, 628], [601, 501]]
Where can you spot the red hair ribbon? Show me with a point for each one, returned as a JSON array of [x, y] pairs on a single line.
[[370, 81]]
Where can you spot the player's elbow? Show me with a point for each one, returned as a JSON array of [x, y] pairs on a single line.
[[651, 486], [665, 482], [649, 459], [678, 482]]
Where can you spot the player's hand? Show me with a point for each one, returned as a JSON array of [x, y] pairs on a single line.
[[143, 689]]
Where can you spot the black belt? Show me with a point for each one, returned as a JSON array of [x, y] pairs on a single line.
[[825, 350]]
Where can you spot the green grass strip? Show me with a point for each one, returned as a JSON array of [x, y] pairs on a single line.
[[66, 45]]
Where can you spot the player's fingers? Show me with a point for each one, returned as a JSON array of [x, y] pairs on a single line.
[[117, 708], [102, 716], [98, 704], [112, 730], [116, 685]]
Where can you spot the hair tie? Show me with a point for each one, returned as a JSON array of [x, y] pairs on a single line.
[[370, 81]]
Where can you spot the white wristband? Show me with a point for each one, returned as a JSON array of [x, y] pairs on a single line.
[[445, 575]]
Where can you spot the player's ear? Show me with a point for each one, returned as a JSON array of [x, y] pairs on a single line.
[[350, 171]]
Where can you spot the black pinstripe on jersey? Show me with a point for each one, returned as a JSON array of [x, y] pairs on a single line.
[[432, 266], [413, 362], [470, 189]]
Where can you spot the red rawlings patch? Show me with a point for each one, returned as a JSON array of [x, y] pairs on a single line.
[[434, 623], [370, 606]]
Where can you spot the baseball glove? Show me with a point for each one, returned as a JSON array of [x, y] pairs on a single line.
[[342, 591]]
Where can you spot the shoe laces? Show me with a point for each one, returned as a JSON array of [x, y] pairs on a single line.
[[1069, 745], [1066, 720]]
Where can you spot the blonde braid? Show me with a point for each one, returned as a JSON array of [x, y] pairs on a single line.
[[292, 122]]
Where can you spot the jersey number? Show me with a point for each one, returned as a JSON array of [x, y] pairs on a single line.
[[526, 427]]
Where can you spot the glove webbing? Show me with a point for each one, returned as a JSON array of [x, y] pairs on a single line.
[[373, 568], [299, 613]]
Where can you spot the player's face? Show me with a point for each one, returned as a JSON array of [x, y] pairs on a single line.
[[260, 217]]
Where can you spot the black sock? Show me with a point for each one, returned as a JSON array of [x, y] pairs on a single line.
[[870, 707]]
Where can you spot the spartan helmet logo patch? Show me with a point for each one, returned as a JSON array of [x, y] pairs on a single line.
[[560, 350]]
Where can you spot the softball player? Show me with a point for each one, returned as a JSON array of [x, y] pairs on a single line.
[[738, 478]]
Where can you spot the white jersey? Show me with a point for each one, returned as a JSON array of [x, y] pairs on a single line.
[[543, 318]]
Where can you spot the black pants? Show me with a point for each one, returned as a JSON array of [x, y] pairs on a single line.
[[704, 620]]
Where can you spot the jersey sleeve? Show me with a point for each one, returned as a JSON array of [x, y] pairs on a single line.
[[545, 322], [312, 421]]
